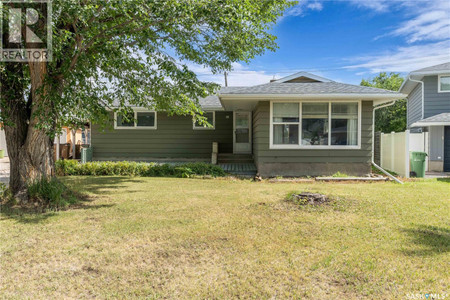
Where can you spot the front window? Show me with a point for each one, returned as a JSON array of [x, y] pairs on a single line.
[[210, 118], [444, 83], [344, 124], [136, 119], [126, 120], [315, 124], [145, 119], [285, 123]]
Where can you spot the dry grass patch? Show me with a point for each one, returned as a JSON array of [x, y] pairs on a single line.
[[190, 238]]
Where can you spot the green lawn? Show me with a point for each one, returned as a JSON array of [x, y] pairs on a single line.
[[223, 238]]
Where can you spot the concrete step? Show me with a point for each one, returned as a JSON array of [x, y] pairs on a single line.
[[245, 169], [234, 158]]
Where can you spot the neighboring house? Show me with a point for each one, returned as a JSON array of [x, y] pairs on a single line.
[[428, 109], [298, 125]]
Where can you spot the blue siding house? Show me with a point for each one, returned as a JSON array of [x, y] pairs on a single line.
[[428, 110]]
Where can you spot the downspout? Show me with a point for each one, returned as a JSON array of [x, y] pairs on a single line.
[[373, 143], [423, 107]]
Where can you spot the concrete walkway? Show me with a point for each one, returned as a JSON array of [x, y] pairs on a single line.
[[4, 170], [437, 174]]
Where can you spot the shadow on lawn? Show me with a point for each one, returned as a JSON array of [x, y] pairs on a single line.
[[38, 215], [99, 185], [81, 186], [435, 239], [444, 180]]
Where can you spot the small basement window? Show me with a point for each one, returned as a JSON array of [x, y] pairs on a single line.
[[136, 120], [444, 83], [210, 117]]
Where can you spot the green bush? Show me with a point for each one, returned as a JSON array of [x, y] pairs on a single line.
[[126, 168], [50, 192]]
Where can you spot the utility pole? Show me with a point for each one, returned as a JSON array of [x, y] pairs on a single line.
[[226, 79]]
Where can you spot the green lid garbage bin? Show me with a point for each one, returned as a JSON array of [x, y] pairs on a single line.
[[417, 160], [2, 153], [86, 154]]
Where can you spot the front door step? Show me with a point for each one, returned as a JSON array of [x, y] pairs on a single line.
[[244, 169]]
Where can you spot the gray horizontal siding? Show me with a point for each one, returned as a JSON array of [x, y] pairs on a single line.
[[174, 139], [435, 102], [414, 105], [263, 154]]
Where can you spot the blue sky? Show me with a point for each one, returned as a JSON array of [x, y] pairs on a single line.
[[348, 40]]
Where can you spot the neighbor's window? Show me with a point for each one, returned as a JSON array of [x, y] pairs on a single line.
[[315, 123], [344, 124], [310, 124], [140, 119], [285, 123], [210, 118], [444, 83]]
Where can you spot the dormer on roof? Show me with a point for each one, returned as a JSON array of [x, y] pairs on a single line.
[[302, 77]]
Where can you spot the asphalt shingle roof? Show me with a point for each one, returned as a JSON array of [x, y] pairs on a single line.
[[444, 117], [307, 88], [213, 101], [441, 67]]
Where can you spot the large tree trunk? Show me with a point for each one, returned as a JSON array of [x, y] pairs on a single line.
[[14, 111], [30, 149]]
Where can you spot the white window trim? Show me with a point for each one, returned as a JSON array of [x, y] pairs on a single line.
[[136, 110], [300, 146], [439, 83], [206, 128]]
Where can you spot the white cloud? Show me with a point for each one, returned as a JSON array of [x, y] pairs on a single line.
[[431, 25], [405, 59], [377, 5], [315, 6], [303, 6], [429, 20], [240, 76]]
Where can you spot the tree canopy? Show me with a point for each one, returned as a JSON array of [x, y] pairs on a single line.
[[137, 52], [113, 54], [391, 118]]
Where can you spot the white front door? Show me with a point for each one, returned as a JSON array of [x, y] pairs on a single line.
[[242, 137]]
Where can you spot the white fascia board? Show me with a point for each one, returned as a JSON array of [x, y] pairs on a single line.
[[137, 108], [429, 124]]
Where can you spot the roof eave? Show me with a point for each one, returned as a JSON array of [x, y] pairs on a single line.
[[419, 76], [388, 97], [430, 124]]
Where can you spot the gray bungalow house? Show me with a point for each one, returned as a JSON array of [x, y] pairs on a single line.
[[298, 125], [428, 110]]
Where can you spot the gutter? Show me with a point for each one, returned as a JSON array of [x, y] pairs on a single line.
[[373, 143]]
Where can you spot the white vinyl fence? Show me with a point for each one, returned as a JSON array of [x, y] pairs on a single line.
[[395, 149]]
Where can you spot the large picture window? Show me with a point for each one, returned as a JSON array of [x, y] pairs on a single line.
[[135, 120], [285, 123], [306, 124], [344, 124], [315, 123]]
